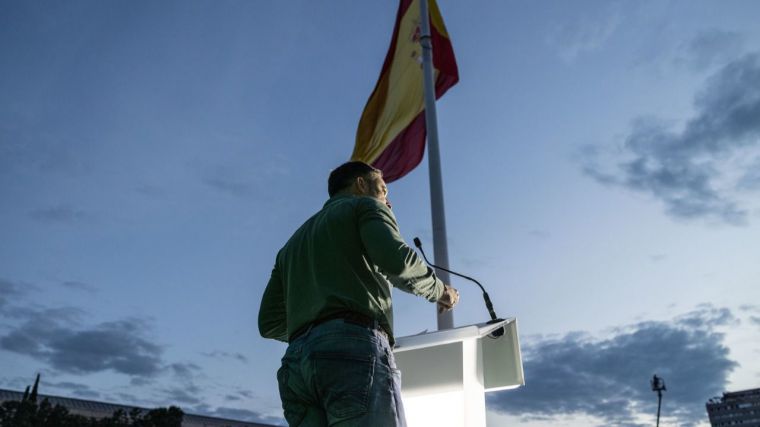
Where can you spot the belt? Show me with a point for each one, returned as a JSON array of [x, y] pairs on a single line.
[[347, 317]]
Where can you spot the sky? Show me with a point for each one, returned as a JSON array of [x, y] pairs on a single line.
[[601, 170]]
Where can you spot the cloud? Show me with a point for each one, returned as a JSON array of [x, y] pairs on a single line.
[[584, 35], [239, 395], [750, 180], [54, 336], [225, 355], [128, 398], [79, 286], [755, 320], [245, 393], [140, 381], [710, 47], [27, 147], [59, 214], [229, 185], [697, 171], [185, 370], [609, 377], [77, 389], [242, 173], [184, 395], [8, 290]]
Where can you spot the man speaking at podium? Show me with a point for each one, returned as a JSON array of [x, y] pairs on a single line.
[[329, 297]]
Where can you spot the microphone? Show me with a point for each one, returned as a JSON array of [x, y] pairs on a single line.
[[497, 333]]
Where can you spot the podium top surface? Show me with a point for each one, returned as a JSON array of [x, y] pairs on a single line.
[[447, 336]]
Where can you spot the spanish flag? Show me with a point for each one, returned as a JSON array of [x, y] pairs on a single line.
[[391, 133]]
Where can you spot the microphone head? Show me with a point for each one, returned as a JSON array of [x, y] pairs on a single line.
[[417, 242]]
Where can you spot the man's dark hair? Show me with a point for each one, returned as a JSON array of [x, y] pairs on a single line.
[[345, 174]]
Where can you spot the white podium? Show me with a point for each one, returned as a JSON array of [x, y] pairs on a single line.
[[445, 374]]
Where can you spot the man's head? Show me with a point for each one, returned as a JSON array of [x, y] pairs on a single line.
[[357, 178]]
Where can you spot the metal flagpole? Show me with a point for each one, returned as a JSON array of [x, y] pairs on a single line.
[[440, 246]]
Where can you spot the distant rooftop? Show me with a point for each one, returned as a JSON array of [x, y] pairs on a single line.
[[91, 408], [736, 408]]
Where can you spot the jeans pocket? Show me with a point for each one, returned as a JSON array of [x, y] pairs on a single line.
[[343, 382], [293, 409]]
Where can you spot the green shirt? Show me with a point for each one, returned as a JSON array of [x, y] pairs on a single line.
[[346, 257]]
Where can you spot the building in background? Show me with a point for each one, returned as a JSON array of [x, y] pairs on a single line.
[[738, 408], [90, 408]]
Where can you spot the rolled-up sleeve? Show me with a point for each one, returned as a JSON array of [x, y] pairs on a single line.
[[388, 251]]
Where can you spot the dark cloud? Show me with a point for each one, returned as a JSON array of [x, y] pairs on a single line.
[[236, 188], [750, 180], [755, 320], [59, 214], [140, 381], [54, 336], [184, 395], [686, 169], [8, 290], [706, 316], [229, 180], [709, 48], [245, 393], [609, 378], [238, 395], [79, 286], [26, 147], [185, 370], [80, 390], [226, 355], [13, 290]]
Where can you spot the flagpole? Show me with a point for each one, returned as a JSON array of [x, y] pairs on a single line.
[[440, 246]]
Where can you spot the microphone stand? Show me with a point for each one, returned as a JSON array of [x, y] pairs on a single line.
[[489, 306]]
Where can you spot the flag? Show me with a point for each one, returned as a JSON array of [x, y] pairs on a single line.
[[391, 132]]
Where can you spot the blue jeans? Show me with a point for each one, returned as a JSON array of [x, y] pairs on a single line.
[[340, 374]]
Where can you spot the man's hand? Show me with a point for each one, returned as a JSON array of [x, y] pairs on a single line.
[[448, 300]]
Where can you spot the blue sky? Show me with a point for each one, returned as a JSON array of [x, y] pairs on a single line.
[[600, 165]]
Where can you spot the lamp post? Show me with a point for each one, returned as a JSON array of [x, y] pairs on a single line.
[[658, 385]]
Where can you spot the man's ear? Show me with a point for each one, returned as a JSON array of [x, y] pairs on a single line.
[[360, 184], [356, 186]]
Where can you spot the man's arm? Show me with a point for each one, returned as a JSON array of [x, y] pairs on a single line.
[[272, 314], [388, 251]]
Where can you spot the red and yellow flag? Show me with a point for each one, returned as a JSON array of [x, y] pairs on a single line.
[[391, 133]]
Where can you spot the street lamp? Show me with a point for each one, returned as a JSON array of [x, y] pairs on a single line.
[[658, 385]]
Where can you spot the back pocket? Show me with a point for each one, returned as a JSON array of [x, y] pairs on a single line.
[[343, 382]]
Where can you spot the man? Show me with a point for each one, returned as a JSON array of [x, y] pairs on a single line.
[[329, 297]]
